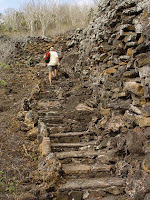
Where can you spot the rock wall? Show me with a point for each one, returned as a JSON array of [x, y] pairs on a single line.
[[114, 61]]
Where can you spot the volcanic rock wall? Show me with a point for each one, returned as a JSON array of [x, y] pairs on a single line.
[[115, 58], [114, 61]]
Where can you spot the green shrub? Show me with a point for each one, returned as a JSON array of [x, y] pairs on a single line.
[[11, 188], [3, 83], [4, 66]]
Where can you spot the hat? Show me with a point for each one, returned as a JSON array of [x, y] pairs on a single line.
[[52, 49]]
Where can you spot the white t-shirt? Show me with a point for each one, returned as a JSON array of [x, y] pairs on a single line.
[[53, 58]]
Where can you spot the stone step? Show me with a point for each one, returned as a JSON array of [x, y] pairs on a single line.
[[51, 92], [55, 128], [44, 113], [50, 109], [77, 154], [46, 73], [112, 185], [47, 95], [73, 171], [49, 104], [56, 84], [52, 120], [71, 137], [71, 134], [59, 147], [84, 157], [46, 86]]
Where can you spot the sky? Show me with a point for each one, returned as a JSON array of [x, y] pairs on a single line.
[[4, 4], [16, 4]]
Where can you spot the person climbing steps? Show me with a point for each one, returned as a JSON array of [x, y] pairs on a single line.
[[53, 64]]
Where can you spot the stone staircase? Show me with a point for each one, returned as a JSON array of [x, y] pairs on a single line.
[[87, 173]]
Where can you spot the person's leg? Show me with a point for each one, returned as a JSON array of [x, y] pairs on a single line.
[[53, 74], [56, 70], [50, 74], [50, 77]]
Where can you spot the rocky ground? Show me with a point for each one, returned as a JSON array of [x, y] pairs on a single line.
[[18, 153], [86, 136]]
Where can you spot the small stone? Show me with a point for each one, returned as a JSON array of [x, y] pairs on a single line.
[[130, 74], [130, 44], [140, 40], [134, 87], [130, 38], [32, 134], [118, 44], [84, 107], [105, 112], [115, 190], [143, 59], [70, 44], [135, 109], [46, 148], [144, 71], [21, 115], [124, 58], [42, 129], [109, 62], [35, 93], [130, 11], [27, 196], [110, 70], [123, 63], [147, 132], [143, 121], [130, 52], [103, 56], [146, 164], [146, 110], [130, 116], [62, 197], [76, 195]]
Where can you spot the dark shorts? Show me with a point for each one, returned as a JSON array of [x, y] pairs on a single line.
[[52, 67]]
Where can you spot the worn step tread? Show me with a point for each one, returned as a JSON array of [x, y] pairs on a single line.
[[54, 126], [85, 168], [76, 154], [70, 134], [93, 183], [48, 113], [51, 117], [72, 144]]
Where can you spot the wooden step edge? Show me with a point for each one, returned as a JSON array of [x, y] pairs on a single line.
[[50, 101], [70, 134], [54, 126], [72, 144], [47, 111], [53, 117], [85, 168], [77, 154], [93, 183]]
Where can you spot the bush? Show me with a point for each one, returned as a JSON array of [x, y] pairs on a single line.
[[4, 66]]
